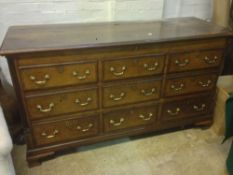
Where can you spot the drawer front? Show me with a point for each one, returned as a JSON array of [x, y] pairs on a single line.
[[62, 131], [131, 93], [187, 85], [120, 52], [130, 118], [62, 103], [195, 60], [134, 67], [187, 107], [56, 76]]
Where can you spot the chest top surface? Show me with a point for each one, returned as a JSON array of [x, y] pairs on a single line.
[[34, 38]]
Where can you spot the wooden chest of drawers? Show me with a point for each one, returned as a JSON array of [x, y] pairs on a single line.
[[80, 84]]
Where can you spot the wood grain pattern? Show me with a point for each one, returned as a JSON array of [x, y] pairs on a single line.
[[178, 109], [130, 68], [137, 72], [36, 38], [133, 117], [71, 56], [179, 62], [181, 86], [42, 77], [131, 93], [68, 130], [62, 103]]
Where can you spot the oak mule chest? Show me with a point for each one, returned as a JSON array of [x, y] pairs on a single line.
[[78, 84]]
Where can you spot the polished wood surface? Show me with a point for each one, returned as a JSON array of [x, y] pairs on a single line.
[[47, 76], [21, 39], [137, 77], [185, 61], [131, 93], [71, 56], [130, 68], [62, 131], [188, 107], [180, 86], [62, 103], [134, 117]]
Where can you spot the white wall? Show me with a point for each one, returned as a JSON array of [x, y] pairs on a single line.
[[182, 8]]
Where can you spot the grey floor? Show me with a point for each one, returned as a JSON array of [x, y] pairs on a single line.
[[187, 152]]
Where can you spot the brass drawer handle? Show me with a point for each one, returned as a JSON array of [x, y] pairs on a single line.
[[146, 118], [203, 84], [183, 64], [176, 112], [113, 97], [82, 77], [174, 87], [147, 92], [211, 61], [152, 68], [86, 129], [89, 99], [40, 82], [123, 69], [117, 123], [50, 136], [49, 109], [199, 108]]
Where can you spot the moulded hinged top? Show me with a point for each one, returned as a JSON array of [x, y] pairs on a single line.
[[52, 37]]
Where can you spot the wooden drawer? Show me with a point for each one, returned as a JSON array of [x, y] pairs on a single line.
[[58, 75], [130, 118], [67, 130], [131, 93], [133, 67], [187, 85], [62, 103], [188, 107], [179, 62]]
